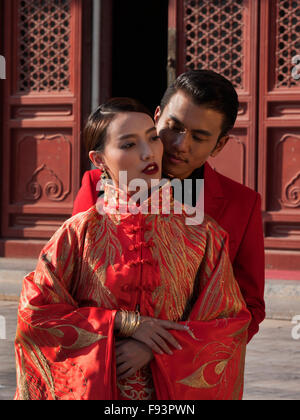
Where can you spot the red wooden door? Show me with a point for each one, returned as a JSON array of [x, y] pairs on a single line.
[[41, 120], [279, 132], [255, 44], [222, 36]]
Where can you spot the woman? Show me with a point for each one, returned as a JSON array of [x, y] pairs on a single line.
[[131, 304]]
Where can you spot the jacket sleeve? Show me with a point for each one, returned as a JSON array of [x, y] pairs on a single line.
[[63, 351], [210, 365], [87, 195], [249, 268]]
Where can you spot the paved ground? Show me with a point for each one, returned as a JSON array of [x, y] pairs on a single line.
[[272, 364], [8, 310]]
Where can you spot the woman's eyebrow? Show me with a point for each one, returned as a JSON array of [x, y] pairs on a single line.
[[150, 129], [132, 135], [127, 136]]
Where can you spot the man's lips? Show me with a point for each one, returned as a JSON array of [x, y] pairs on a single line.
[[151, 169], [175, 159]]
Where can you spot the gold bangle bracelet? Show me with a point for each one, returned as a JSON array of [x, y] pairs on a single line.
[[130, 321]]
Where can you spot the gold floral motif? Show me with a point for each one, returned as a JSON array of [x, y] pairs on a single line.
[[84, 338], [138, 387], [221, 364]]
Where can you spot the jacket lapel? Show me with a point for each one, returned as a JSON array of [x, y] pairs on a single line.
[[214, 199]]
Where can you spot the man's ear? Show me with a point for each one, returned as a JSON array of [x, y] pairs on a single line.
[[157, 114], [220, 146], [96, 159]]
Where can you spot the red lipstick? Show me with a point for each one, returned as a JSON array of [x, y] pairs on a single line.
[[151, 169]]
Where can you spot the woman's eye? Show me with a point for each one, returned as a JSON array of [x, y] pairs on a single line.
[[127, 146], [155, 138]]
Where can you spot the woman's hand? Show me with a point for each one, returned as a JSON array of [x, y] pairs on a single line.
[[153, 332], [131, 355]]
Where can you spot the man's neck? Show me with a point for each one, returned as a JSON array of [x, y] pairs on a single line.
[[198, 173], [192, 192]]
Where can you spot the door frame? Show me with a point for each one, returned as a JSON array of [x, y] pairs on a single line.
[[27, 243]]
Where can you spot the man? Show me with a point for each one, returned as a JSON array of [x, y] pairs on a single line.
[[194, 119]]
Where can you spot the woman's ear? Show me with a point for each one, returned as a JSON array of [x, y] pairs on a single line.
[[96, 159], [220, 145]]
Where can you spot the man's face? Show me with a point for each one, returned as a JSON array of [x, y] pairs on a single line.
[[189, 133]]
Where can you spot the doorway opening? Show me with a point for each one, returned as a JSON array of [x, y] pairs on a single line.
[[140, 50]]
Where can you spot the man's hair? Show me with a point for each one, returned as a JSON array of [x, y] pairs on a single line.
[[97, 124], [205, 87]]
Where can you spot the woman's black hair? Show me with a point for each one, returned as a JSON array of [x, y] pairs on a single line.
[[96, 127]]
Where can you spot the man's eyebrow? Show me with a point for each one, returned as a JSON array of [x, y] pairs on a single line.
[[130, 136], [199, 131]]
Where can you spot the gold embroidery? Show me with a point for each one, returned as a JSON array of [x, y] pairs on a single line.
[[138, 387], [218, 286], [39, 361], [82, 275], [55, 377], [84, 339], [102, 247], [221, 366], [22, 385], [178, 263]]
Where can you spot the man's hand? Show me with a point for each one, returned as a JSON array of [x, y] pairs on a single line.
[[131, 355]]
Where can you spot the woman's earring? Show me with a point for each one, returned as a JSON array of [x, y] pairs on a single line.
[[104, 176]]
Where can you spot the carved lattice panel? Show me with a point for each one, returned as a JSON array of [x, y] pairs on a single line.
[[222, 35], [43, 45], [279, 133], [287, 41], [42, 110], [214, 36]]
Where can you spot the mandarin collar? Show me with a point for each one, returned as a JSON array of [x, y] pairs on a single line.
[[116, 201]]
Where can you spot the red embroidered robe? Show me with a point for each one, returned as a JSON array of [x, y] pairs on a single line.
[[97, 264]]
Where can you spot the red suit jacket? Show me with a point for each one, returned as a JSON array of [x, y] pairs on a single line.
[[237, 209]]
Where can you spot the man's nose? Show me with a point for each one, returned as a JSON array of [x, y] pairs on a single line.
[[182, 142]]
